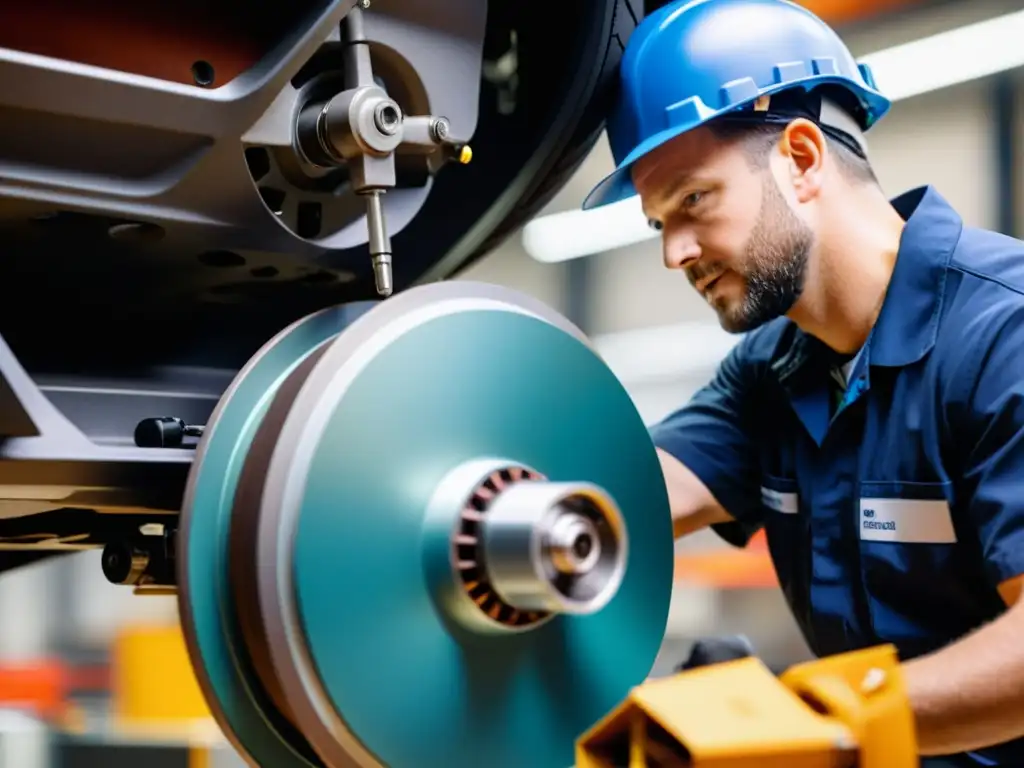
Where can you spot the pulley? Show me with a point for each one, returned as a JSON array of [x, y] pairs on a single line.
[[431, 533]]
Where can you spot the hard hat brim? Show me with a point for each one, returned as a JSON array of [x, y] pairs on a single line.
[[618, 185]]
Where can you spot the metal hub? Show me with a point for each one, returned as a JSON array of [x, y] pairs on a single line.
[[556, 547], [526, 549]]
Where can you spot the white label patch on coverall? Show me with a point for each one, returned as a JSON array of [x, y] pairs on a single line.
[[907, 521], [786, 503]]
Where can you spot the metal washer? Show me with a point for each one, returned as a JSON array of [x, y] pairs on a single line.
[[351, 568]]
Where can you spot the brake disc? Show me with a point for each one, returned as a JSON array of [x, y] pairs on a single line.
[[438, 538], [206, 605]]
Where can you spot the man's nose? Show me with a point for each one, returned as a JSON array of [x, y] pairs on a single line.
[[679, 248]]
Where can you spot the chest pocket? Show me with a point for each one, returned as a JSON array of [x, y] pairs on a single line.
[[786, 531], [909, 563]]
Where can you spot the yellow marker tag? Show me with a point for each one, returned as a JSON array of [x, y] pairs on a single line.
[[466, 155], [761, 103]]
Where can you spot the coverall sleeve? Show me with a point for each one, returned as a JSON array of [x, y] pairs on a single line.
[[991, 406], [714, 437]]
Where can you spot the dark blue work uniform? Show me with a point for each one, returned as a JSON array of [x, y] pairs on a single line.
[[893, 516]]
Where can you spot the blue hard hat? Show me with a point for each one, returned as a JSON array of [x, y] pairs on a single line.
[[692, 61]]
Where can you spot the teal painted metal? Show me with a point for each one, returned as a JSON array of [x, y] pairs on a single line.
[[416, 688], [205, 600]]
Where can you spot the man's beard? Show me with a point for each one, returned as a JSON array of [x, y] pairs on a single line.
[[775, 262]]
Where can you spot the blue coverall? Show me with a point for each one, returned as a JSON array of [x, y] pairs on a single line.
[[893, 509]]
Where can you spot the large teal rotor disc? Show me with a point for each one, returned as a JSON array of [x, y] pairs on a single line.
[[375, 667], [229, 684]]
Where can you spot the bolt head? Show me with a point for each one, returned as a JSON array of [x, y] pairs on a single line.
[[441, 129], [388, 118]]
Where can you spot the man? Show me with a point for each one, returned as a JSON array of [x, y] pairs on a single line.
[[871, 419]]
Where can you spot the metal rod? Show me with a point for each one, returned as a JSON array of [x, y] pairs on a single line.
[[380, 243]]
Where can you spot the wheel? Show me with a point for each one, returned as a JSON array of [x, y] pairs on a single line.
[[437, 536]]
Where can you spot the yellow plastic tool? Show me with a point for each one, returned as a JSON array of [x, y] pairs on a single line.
[[838, 712]]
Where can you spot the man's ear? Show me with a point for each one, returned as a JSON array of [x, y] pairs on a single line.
[[803, 145]]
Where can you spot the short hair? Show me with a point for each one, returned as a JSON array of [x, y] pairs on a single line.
[[760, 138]]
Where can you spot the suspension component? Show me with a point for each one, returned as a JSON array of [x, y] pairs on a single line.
[[363, 128]]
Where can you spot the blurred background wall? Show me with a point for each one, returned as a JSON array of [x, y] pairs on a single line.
[[658, 336]]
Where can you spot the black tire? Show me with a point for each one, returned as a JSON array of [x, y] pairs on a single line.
[[544, 149], [623, 18]]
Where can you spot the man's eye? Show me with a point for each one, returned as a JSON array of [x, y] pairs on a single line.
[[654, 224], [693, 199]]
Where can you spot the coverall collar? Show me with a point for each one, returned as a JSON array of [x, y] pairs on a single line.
[[909, 321]]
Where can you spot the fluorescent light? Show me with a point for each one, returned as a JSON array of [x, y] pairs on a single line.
[[949, 58], [572, 234], [664, 353], [910, 69]]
